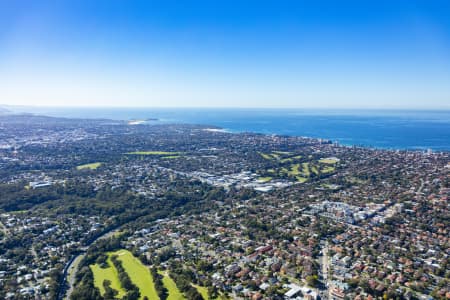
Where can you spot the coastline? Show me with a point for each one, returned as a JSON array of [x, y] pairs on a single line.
[[387, 129]]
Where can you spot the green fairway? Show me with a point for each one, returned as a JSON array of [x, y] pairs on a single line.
[[265, 179], [294, 170], [328, 169], [266, 156], [282, 152], [174, 292], [305, 169], [139, 274], [171, 157], [294, 167], [91, 166], [328, 160], [271, 156], [291, 159], [160, 153], [301, 179], [202, 290], [110, 274]]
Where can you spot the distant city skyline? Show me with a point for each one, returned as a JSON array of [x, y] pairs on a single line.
[[265, 54]]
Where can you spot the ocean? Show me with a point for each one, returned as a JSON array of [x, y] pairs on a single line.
[[384, 129]]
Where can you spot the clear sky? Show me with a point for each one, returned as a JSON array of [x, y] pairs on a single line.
[[381, 54]]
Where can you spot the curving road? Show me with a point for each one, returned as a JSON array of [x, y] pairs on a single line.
[[71, 268]]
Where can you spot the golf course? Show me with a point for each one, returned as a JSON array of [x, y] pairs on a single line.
[[140, 276]]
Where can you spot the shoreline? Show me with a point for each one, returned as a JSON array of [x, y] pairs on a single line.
[[218, 128]]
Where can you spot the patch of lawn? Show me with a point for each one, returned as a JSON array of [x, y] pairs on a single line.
[[139, 274], [291, 159], [305, 169], [202, 290], [328, 169], [266, 156], [328, 160], [174, 292], [91, 166], [282, 152], [294, 170], [110, 274], [265, 179], [301, 179], [275, 155]]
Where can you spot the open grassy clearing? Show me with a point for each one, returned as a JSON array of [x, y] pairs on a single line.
[[265, 179], [202, 290], [174, 292], [282, 156], [110, 274], [171, 157], [282, 152], [139, 274], [294, 170], [305, 169], [270, 156], [266, 156], [291, 166], [291, 159], [301, 179], [328, 160], [91, 166], [328, 169]]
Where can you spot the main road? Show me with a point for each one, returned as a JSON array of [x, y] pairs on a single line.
[[71, 268], [325, 265]]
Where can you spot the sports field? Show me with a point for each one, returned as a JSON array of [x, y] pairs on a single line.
[[91, 166]]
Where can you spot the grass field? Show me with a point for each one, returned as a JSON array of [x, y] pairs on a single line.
[[202, 290], [91, 166], [265, 179], [301, 179], [328, 169], [328, 160], [110, 274], [295, 170], [291, 159], [139, 274], [174, 292], [294, 166], [160, 153], [171, 157], [282, 152], [305, 169], [267, 156]]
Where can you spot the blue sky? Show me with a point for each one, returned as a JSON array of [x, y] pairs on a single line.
[[334, 54]]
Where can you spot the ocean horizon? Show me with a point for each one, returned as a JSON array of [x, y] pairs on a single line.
[[383, 129]]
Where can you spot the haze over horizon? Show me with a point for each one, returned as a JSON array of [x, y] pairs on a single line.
[[225, 54]]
